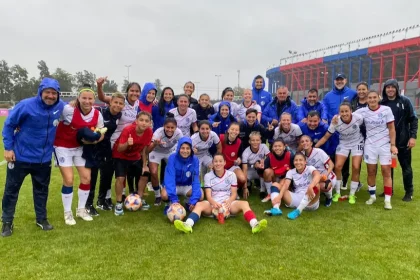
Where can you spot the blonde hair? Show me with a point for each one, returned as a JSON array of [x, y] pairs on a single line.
[[255, 133], [117, 95]]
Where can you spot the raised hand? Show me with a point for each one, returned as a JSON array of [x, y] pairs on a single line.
[[130, 140]]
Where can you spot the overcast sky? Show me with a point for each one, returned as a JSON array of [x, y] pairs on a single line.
[[178, 41]]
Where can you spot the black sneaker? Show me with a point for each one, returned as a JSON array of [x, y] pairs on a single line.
[[407, 197], [103, 205], [44, 225], [108, 201], [158, 201], [91, 210], [263, 195], [7, 229], [123, 197]]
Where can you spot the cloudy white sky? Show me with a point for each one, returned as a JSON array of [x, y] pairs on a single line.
[[177, 40]]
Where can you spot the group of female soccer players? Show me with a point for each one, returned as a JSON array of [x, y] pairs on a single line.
[[222, 149]]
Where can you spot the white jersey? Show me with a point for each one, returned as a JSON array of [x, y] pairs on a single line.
[[233, 108], [128, 116], [318, 159], [241, 112], [349, 133], [376, 122], [68, 112], [291, 137], [184, 122], [169, 143], [249, 157], [301, 181], [220, 186], [203, 146]]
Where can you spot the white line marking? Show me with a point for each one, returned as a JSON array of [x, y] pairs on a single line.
[[3, 162]]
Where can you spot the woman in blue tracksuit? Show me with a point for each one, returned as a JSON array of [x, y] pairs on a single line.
[[182, 175], [221, 120], [166, 103]]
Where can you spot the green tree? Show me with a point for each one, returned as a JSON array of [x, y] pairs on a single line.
[[43, 69], [158, 85], [85, 77], [124, 85], [21, 87], [6, 84], [64, 78], [110, 86], [238, 92]]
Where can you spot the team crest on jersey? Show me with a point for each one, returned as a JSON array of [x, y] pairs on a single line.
[[210, 144], [187, 119], [152, 156], [338, 149], [261, 156], [366, 156], [354, 126], [380, 115], [232, 154], [228, 181], [56, 122], [62, 159], [188, 174], [11, 165], [262, 103]]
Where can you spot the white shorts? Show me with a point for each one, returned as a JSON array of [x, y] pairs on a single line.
[[344, 150], [297, 198], [157, 157], [372, 153], [183, 190], [205, 161], [66, 157], [233, 168]]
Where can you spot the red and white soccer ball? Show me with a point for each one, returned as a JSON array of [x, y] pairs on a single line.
[[176, 212], [224, 209], [132, 202]]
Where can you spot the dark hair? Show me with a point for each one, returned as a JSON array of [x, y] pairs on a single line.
[[313, 90], [204, 122], [314, 113], [299, 154], [86, 85], [226, 90], [251, 110], [227, 134], [169, 119], [258, 77], [144, 113], [363, 83], [370, 91], [189, 82], [162, 101], [219, 154], [132, 84], [183, 95], [278, 140], [346, 103], [307, 136]]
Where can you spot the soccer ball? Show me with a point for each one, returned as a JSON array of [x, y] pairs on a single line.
[[132, 202], [176, 212], [224, 209]]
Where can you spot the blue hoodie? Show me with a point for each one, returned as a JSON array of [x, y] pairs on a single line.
[[224, 122], [261, 96], [274, 111], [335, 97], [319, 132], [144, 104], [182, 172], [37, 123], [305, 108], [157, 118]]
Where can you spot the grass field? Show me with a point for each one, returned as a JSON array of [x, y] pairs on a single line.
[[340, 242]]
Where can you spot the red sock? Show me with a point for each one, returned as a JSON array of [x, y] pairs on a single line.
[[316, 190], [249, 215], [388, 190], [84, 187]]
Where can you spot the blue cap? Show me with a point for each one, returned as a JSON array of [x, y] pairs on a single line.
[[340, 76]]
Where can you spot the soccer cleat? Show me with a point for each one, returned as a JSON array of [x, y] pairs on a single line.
[[109, 202], [273, 212], [371, 200], [294, 214], [149, 186], [387, 205], [343, 187], [7, 229], [182, 226], [144, 205], [407, 197], [266, 199], [359, 187], [44, 225], [103, 205], [261, 225], [81, 213], [336, 197], [91, 210], [158, 201], [328, 202], [118, 210], [68, 218], [352, 199]]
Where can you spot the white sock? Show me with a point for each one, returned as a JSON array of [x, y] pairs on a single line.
[[190, 222], [274, 195], [268, 187], [329, 194], [387, 198], [108, 194], [338, 186], [83, 196], [67, 200], [253, 222], [302, 205], [353, 187], [157, 193], [123, 191], [372, 191]]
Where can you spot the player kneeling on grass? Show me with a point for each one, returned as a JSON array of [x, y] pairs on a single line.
[[306, 189], [130, 151], [221, 188], [182, 176]]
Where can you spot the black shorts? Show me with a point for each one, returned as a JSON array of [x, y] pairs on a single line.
[[122, 165]]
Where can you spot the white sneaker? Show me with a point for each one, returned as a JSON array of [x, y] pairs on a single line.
[[68, 218], [343, 187], [371, 200], [388, 205], [266, 199], [81, 213], [149, 187]]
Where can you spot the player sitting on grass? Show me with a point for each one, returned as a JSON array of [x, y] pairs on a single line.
[[221, 188], [351, 141], [305, 195], [182, 176]]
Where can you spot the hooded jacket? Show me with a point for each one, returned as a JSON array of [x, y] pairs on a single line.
[[316, 134], [334, 98], [274, 111], [224, 122], [158, 119], [305, 108], [182, 172], [145, 105], [203, 113], [406, 121], [37, 123], [261, 96]]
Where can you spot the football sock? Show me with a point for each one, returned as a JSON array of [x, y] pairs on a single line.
[[372, 191], [67, 197], [108, 194], [83, 193], [268, 187], [157, 191], [275, 193], [123, 191], [328, 194], [192, 219], [388, 193], [338, 186], [250, 218], [302, 205], [353, 187]]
